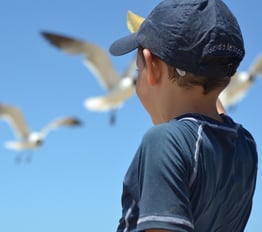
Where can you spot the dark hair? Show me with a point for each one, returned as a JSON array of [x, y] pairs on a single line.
[[190, 80]]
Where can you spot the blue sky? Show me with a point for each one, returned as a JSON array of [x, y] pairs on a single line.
[[74, 181]]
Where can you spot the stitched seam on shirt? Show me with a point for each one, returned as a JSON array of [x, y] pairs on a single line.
[[196, 155], [165, 219], [211, 124], [128, 213]]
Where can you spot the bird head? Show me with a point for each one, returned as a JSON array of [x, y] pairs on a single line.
[[36, 139]]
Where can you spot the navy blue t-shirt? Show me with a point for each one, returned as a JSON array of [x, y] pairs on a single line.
[[192, 173]]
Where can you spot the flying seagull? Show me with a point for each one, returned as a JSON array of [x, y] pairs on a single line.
[[27, 139], [240, 83], [119, 87]]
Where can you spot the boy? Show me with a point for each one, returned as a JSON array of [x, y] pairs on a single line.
[[195, 170]]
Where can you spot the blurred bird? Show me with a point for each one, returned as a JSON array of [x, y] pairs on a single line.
[[240, 83], [97, 60], [27, 139]]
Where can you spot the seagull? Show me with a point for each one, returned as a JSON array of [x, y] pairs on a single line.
[[27, 139], [240, 82], [97, 60]]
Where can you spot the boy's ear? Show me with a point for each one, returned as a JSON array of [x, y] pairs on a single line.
[[152, 66]]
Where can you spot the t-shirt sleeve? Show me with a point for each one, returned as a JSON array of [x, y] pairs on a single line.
[[165, 168]]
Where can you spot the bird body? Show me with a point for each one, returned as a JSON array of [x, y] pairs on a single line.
[[34, 140], [240, 83], [97, 60], [236, 89], [114, 99], [27, 139]]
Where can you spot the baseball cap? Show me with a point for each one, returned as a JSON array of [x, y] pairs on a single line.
[[199, 36]]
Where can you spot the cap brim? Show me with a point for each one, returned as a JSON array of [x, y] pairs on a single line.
[[124, 45]]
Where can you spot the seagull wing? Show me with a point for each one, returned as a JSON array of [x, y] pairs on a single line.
[[15, 117], [96, 59], [133, 21], [131, 69], [60, 122], [256, 67]]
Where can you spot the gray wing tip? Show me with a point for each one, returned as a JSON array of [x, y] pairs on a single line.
[[73, 121], [55, 38]]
